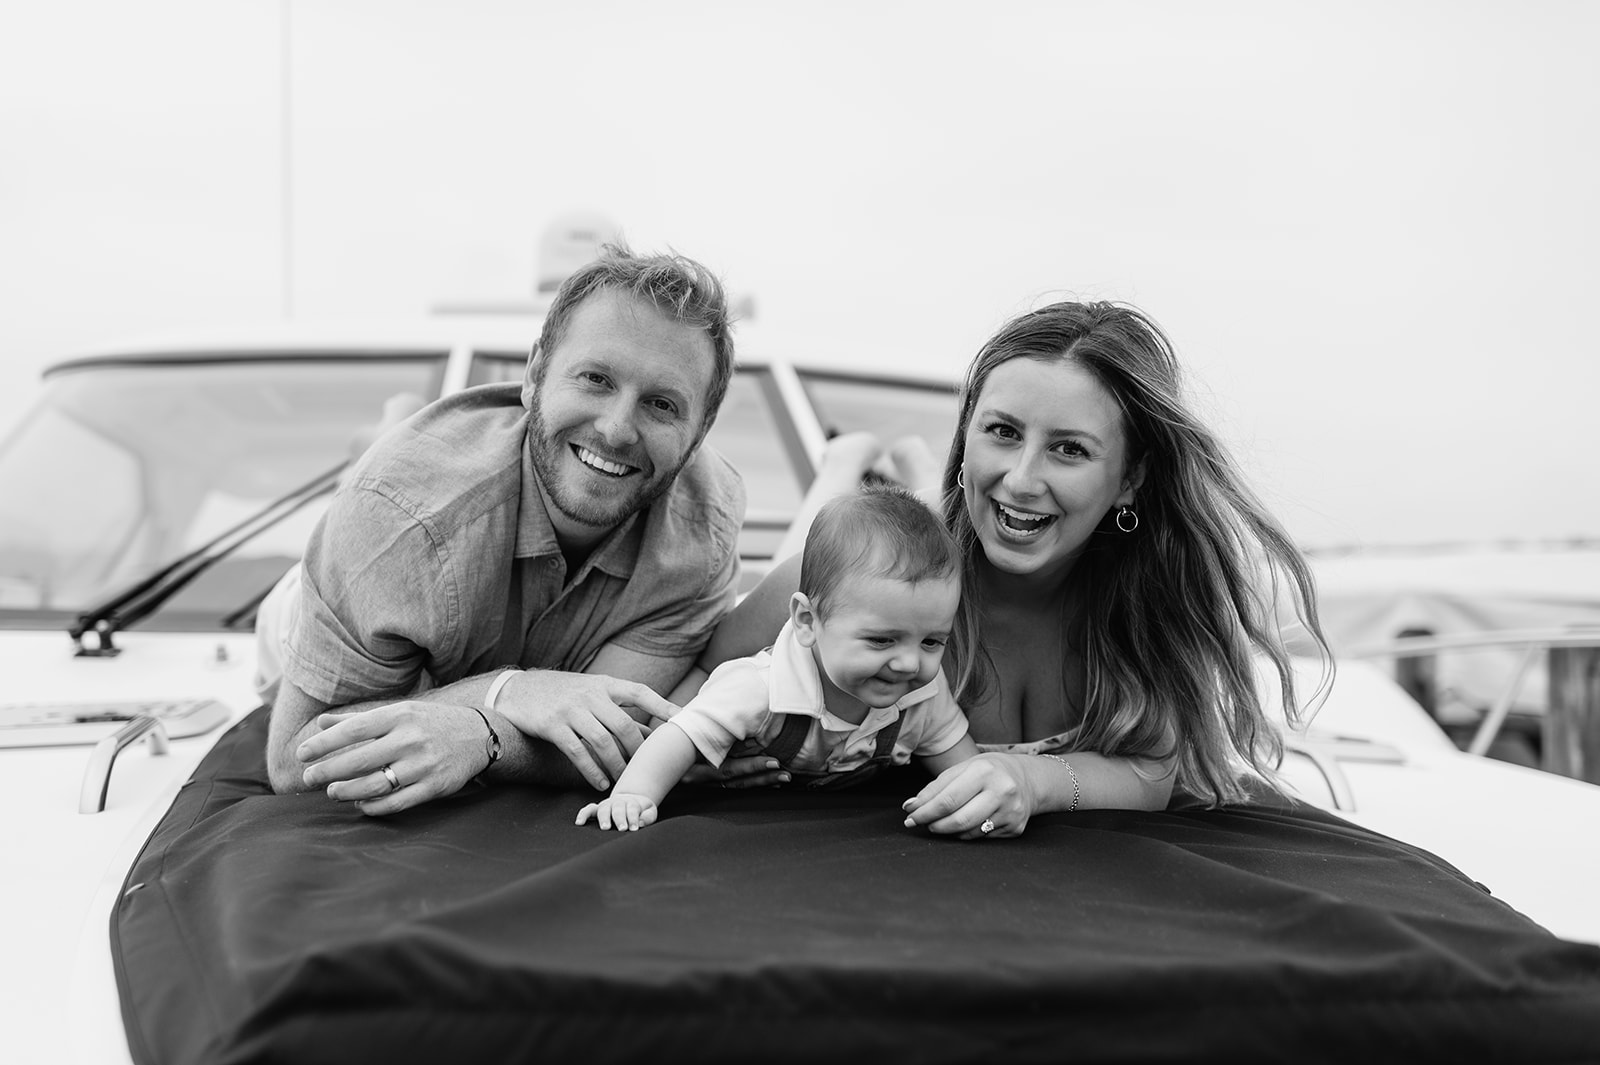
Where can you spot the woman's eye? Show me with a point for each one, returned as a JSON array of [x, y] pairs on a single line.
[[1001, 430], [1072, 449]]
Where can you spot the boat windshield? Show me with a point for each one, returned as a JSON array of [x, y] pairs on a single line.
[[120, 467]]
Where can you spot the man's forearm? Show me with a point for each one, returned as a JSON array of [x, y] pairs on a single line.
[[293, 721], [295, 716], [525, 760]]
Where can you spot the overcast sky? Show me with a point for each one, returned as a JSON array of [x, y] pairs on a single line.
[[1369, 228]]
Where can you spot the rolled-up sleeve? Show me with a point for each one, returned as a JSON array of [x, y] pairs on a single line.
[[376, 594]]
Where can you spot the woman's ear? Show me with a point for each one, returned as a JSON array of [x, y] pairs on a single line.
[[1131, 484], [805, 619]]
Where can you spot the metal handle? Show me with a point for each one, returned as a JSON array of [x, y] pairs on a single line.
[[97, 777]]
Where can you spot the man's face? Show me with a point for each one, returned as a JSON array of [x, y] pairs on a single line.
[[617, 412]]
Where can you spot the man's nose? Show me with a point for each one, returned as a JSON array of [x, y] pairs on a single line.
[[616, 424]]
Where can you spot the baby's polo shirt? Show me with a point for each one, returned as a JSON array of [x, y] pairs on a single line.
[[746, 698], [440, 544]]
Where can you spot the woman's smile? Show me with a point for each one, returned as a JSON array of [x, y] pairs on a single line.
[[1020, 522]]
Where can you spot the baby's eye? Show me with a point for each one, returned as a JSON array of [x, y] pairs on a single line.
[[933, 643]]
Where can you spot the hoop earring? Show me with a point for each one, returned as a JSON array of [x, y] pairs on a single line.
[[1127, 518], [961, 477]]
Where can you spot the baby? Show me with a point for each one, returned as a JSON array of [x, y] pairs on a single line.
[[853, 681]]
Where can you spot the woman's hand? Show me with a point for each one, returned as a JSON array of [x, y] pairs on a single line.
[[756, 771], [990, 789]]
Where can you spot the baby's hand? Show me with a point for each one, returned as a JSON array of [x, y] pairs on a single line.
[[622, 812]]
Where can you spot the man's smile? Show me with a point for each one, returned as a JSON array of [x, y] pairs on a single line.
[[602, 465]]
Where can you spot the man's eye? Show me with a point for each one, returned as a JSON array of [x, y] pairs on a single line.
[[664, 406], [593, 378]]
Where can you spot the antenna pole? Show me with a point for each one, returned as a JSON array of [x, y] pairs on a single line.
[[286, 155]]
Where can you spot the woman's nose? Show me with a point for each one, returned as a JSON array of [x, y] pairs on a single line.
[[1022, 479]]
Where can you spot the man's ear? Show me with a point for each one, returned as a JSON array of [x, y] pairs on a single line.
[[805, 619], [530, 376]]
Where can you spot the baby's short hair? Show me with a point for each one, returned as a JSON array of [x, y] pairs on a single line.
[[876, 531]]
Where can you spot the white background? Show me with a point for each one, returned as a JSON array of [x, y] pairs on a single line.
[[1370, 228]]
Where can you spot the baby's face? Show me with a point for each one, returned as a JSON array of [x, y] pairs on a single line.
[[883, 638]]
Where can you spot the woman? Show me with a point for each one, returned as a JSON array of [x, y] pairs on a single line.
[[1119, 583]]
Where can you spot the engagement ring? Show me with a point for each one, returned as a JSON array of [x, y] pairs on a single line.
[[987, 826]]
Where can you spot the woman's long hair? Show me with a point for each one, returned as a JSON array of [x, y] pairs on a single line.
[[1172, 616]]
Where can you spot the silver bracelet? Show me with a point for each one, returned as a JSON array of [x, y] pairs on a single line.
[[494, 687], [1071, 773]]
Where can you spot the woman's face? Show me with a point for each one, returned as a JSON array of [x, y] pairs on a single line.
[[1045, 458]]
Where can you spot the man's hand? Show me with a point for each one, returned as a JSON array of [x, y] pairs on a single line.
[[623, 812], [586, 716], [430, 749]]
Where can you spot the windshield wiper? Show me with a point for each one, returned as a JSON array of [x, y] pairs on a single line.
[[128, 607]]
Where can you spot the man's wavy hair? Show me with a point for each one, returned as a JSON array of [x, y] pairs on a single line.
[[1169, 618], [677, 286], [877, 531]]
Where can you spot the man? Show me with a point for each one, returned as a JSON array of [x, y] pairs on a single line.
[[580, 534]]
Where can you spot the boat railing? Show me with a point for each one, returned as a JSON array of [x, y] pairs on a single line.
[[1570, 723]]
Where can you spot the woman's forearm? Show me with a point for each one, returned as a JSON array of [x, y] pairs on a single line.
[[1095, 782]]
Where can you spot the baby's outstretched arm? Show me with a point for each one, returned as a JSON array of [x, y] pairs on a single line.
[[963, 749], [656, 766]]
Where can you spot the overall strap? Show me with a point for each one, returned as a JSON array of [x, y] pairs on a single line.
[[882, 755], [790, 738]]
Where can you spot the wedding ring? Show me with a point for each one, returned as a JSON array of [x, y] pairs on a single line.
[[394, 781], [987, 826]]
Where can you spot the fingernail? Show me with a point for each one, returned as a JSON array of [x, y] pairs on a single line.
[[783, 777], [910, 823], [772, 765], [906, 805]]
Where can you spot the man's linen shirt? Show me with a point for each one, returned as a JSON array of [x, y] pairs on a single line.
[[440, 540]]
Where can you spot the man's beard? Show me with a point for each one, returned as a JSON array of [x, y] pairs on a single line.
[[577, 503]]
